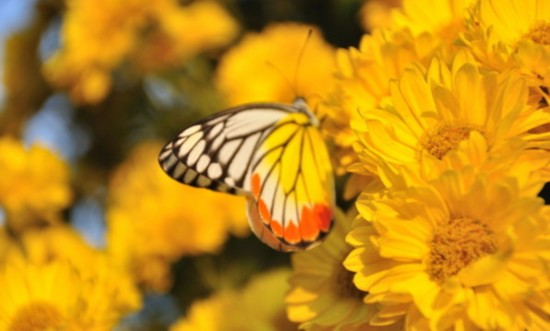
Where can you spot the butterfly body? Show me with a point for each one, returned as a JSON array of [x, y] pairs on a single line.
[[271, 153]]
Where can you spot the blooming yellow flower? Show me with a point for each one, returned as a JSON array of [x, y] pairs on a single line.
[[464, 250], [147, 34], [364, 77], [507, 34], [431, 113], [146, 206], [34, 186], [322, 295], [259, 306], [53, 280], [266, 66]]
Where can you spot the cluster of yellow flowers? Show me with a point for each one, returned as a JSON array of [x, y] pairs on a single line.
[[448, 103], [439, 120], [51, 279], [100, 36]]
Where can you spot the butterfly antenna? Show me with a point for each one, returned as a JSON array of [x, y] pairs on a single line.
[[299, 61]]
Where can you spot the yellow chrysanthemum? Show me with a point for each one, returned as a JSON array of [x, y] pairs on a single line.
[[146, 206], [259, 306], [465, 250], [148, 34], [322, 295], [39, 297], [364, 76], [444, 18], [34, 186], [266, 66], [377, 13], [506, 34], [53, 280], [431, 113]]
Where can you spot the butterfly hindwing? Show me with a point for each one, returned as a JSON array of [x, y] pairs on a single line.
[[292, 186]]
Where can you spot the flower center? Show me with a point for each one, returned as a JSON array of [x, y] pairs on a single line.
[[539, 33], [345, 286], [456, 244], [37, 316], [444, 138]]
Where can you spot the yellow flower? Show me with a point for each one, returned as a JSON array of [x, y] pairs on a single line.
[[506, 34], [146, 206], [53, 280], [34, 186], [39, 297], [444, 18], [148, 34], [364, 76], [322, 295], [259, 306], [266, 66], [184, 32], [464, 250], [377, 13], [431, 113]]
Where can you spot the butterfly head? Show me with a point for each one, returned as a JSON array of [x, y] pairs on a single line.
[[301, 105]]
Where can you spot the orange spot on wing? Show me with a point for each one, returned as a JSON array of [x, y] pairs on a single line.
[[324, 216], [255, 185], [276, 228], [264, 211], [309, 224], [292, 233]]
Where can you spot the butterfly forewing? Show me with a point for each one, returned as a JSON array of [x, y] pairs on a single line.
[[216, 152]]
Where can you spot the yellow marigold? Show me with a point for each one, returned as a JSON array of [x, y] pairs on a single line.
[[34, 186], [465, 250], [431, 113], [506, 34], [53, 280], [146, 206], [258, 306], [266, 66], [322, 295], [148, 34]]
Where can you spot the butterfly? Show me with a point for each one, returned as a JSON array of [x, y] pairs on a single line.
[[271, 153]]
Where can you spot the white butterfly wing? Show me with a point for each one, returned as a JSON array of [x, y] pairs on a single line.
[[216, 152]]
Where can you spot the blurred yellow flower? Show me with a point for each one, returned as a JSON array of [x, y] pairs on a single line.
[[506, 34], [444, 18], [53, 280], [153, 220], [431, 113], [266, 66], [147, 34], [466, 250], [40, 297], [322, 294], [35, 184], [258, 306], [377, 13]]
